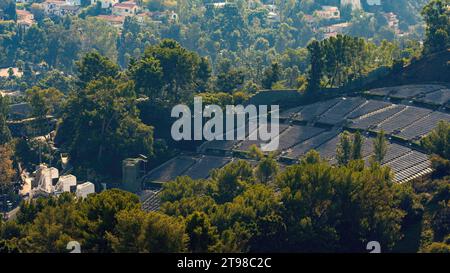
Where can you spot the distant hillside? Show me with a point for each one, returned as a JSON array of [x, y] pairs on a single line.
[[433, 68]]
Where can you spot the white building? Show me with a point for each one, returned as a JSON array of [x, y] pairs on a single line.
[[334, 30], [60, 7], [128, 8], [25, 18], [328, 12], [65, 183], [105, 4], [83, 190], [45, 177]]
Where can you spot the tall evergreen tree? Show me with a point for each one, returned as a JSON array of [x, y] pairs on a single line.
[[358, 143], [5, 134], [380, 146], [315, 72]]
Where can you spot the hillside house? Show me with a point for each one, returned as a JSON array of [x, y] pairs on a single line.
[[60, 7], [334, 30], [393, 21], [328, 12], [114, 20], [128, 8], [25, 19]]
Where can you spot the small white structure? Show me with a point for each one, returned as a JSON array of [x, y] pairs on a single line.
[[328, 12], [73, 2], [65, 183], [128, 8], [273, 17], [45, 176], [83, 190]]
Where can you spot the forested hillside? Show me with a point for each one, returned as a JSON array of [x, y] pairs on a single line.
[[87, 92]]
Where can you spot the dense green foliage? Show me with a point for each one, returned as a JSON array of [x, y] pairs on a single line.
[[5, 134], [311, 206], [438, 144], [108, 89], [437, 17], [234, 34], [100, 125]]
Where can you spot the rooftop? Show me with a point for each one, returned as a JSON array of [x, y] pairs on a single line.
[[127, 4]]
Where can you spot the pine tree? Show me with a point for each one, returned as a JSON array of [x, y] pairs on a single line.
[[5, 134], [358, 142], [344, 149], [380, 147], [316, 71]]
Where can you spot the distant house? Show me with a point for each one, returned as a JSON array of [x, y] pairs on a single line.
[[309, 20], [163, 16], [105, 4], [328, 12], [128, 8], [271, 8], [393, 21], [114, 20], [73, 2], [25, 18], [272, 16], [5, 72], [60, 7], [143, 17], [334, 30], [220, 5], [7, 93]]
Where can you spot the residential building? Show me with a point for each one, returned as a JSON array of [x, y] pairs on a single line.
[[59, 7], [73, 2], [328, 12], [10, 71], [83, 190], [220, 5], [128, 8], [25, 18], [393, 21], [114, 20], [334, 30], [163, 16], [66, 183]]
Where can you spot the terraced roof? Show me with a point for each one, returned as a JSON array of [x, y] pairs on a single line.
[[325, 121], [406, 91], [196, 167]]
